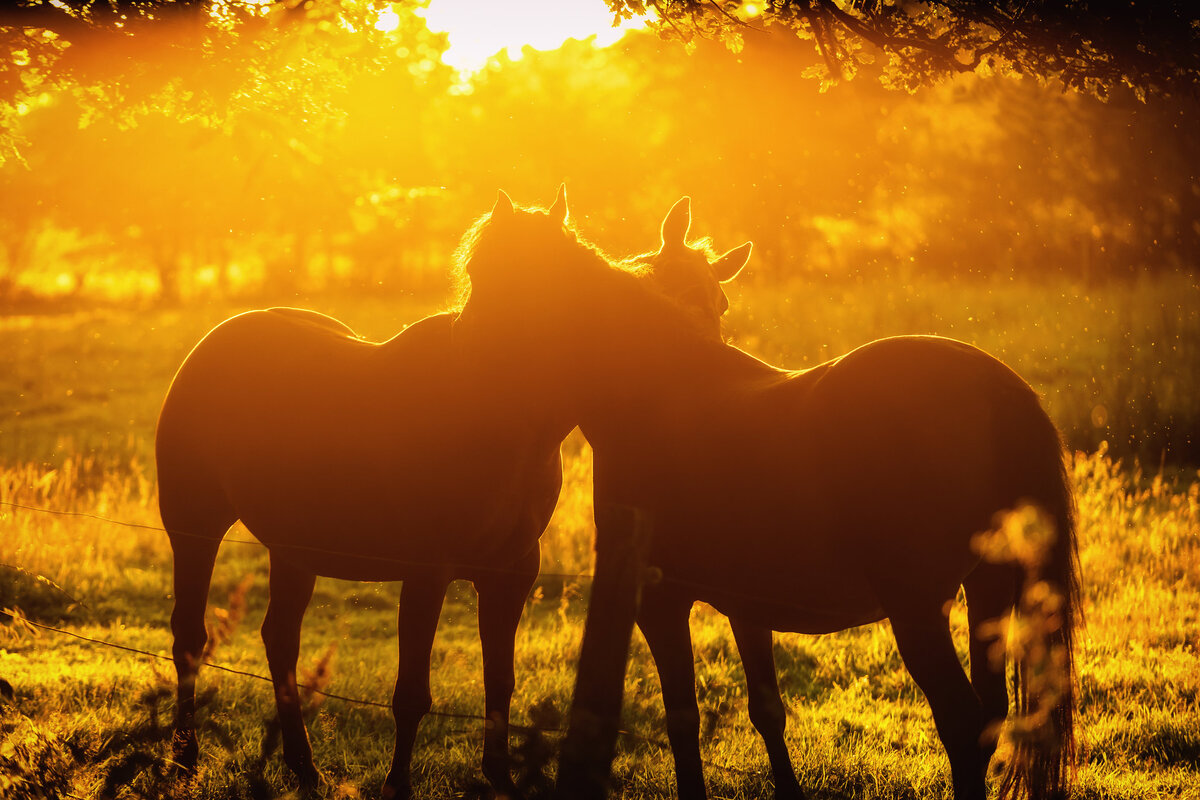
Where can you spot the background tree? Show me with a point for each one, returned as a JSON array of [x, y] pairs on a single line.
[[1149, 47], [223, 146]]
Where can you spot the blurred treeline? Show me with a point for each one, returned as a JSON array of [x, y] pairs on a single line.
[[338, 156]]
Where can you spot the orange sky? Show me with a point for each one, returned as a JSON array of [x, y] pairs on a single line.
[[479, 30]]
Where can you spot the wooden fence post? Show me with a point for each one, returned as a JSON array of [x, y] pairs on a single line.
[[585, 762]]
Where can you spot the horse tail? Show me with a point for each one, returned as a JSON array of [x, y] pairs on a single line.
[[1042, 764]]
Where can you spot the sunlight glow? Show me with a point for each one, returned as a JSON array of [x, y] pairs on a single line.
[[480, 30], [388, 20]]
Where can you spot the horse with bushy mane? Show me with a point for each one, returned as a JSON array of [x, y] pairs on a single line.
[[410, 460], [797, 500]]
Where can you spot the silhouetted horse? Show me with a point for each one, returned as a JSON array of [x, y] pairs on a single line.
[[808, 501], [686, 276], [361, 461]]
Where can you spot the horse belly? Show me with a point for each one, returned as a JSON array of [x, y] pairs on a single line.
[[386, 524], [789, 575]]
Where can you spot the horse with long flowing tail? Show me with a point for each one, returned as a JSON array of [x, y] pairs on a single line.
[[808, 500]]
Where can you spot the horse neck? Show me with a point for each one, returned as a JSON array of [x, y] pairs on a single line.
[[652, 367], [510, 390]]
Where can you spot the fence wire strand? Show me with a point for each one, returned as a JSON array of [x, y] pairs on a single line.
[[565, 576], [457, 715]]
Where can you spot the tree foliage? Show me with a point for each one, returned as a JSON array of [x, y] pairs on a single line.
[[1149, 47], [261, 147], [182, 133]]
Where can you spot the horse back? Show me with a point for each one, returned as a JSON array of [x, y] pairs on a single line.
[[875, 466], [310, 434], [911, 437], [291, 374]]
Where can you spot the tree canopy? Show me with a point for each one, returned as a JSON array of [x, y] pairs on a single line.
[[1101, 47], [1148, 47], [220, 146]]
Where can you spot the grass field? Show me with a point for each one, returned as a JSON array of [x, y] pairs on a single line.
[[79, 393]]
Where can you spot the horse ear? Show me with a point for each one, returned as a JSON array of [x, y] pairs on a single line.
[[729, 265], [675, 225], [503, 208], [559, 211]]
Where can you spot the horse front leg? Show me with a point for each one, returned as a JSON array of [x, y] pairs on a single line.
[[663, 620], [502, 599], [291, 589], [767, 712], [417, 619]]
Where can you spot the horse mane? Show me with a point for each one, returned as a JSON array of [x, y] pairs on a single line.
[[460, 281], [639, 264], [589, 262], [644, 267]]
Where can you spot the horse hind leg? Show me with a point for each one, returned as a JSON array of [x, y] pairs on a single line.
[[291, 589], [663, 620], [991, 591], [195, 539], [767, 712], [923, 637]]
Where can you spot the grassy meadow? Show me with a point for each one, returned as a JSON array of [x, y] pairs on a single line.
[[79, 392]]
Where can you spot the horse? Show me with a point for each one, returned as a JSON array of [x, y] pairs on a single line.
[[809, 500], [360, 461], [692, 277]]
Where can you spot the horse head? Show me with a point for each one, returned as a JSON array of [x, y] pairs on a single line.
[[529, 309], [691, 276], [513, 247], [553, 316]]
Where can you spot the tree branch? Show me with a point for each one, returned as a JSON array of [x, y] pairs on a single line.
[[52, 18]]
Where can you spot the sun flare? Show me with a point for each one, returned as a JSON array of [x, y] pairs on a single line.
[[388, 20], [478, 31]]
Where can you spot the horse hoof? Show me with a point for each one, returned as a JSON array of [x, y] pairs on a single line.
[[501, 782], [507, 791], [789, 790], [312, 782], [390, 792], [185, 752]]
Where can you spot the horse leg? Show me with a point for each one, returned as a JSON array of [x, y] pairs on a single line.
[[194, 557], [291, 589], [991, 592], [501, 601], [923, 638], [663, 619], [420, 606], [767, 713]]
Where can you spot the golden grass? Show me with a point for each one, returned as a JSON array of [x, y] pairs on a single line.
[[81, 392], [858, 725]]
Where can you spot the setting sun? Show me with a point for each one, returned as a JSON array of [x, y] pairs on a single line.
[[479, 31], [388, 20]]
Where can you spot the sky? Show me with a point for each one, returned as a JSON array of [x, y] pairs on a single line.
[[479, 29]]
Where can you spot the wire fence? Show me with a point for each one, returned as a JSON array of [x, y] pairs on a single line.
[[325, 551], [455, 715]]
